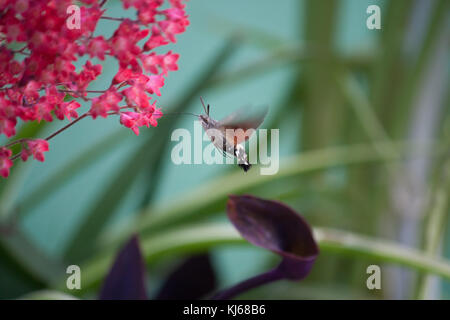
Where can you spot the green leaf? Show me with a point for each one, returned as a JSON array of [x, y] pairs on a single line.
[[352, 91], [30, 260], [68, 98], [210, 197], [202, 237], [57, 180], [277, 58], [185, 239], [436, 222], [321, 107], [47, 295], [249, 34], [84, 239], [354, 245], [10, 188]]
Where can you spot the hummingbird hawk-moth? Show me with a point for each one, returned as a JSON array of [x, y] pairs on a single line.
[[229, 134]]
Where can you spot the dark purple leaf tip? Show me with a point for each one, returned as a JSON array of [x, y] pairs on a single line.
[[192, 280], [126, 279], [276, 227]]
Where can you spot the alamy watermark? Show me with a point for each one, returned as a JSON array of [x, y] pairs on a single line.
[[206, 147], [374, 20], [374, 280], [74, 20], [74, 280]]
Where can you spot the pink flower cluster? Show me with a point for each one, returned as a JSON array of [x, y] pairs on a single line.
[[38, 78]]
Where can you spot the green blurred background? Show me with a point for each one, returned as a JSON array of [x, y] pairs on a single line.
[[364, 139]]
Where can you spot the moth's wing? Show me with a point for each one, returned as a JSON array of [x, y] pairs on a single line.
[[241, 119], [224, 153], [244, 118], [240, 113]]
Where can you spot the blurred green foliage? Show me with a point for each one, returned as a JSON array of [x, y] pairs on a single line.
[[361, 113]]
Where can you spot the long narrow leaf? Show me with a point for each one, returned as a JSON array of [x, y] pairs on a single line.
[[84, 240], [57, 180], [211, 197], [194, 238], [28, 259]]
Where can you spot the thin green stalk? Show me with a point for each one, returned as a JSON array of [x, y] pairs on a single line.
[[436, 223], [411, 86], [387, 68], [286, 56], [321, 106], [360, 103], [277, 58], [389, 65], [363, 109], [355, 245]]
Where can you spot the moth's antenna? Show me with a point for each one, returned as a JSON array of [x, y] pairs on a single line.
[[204, 108]]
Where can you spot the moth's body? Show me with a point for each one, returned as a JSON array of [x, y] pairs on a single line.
[[218, 137], [228, 134]]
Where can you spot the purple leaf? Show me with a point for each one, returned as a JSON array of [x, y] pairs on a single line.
[[126, 279], [193, 279], [276, 227]]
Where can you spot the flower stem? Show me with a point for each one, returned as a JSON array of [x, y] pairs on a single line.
[[84, 115], [87, 91], [52, 135], [14, 143], [256, 281], [112, 18]]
